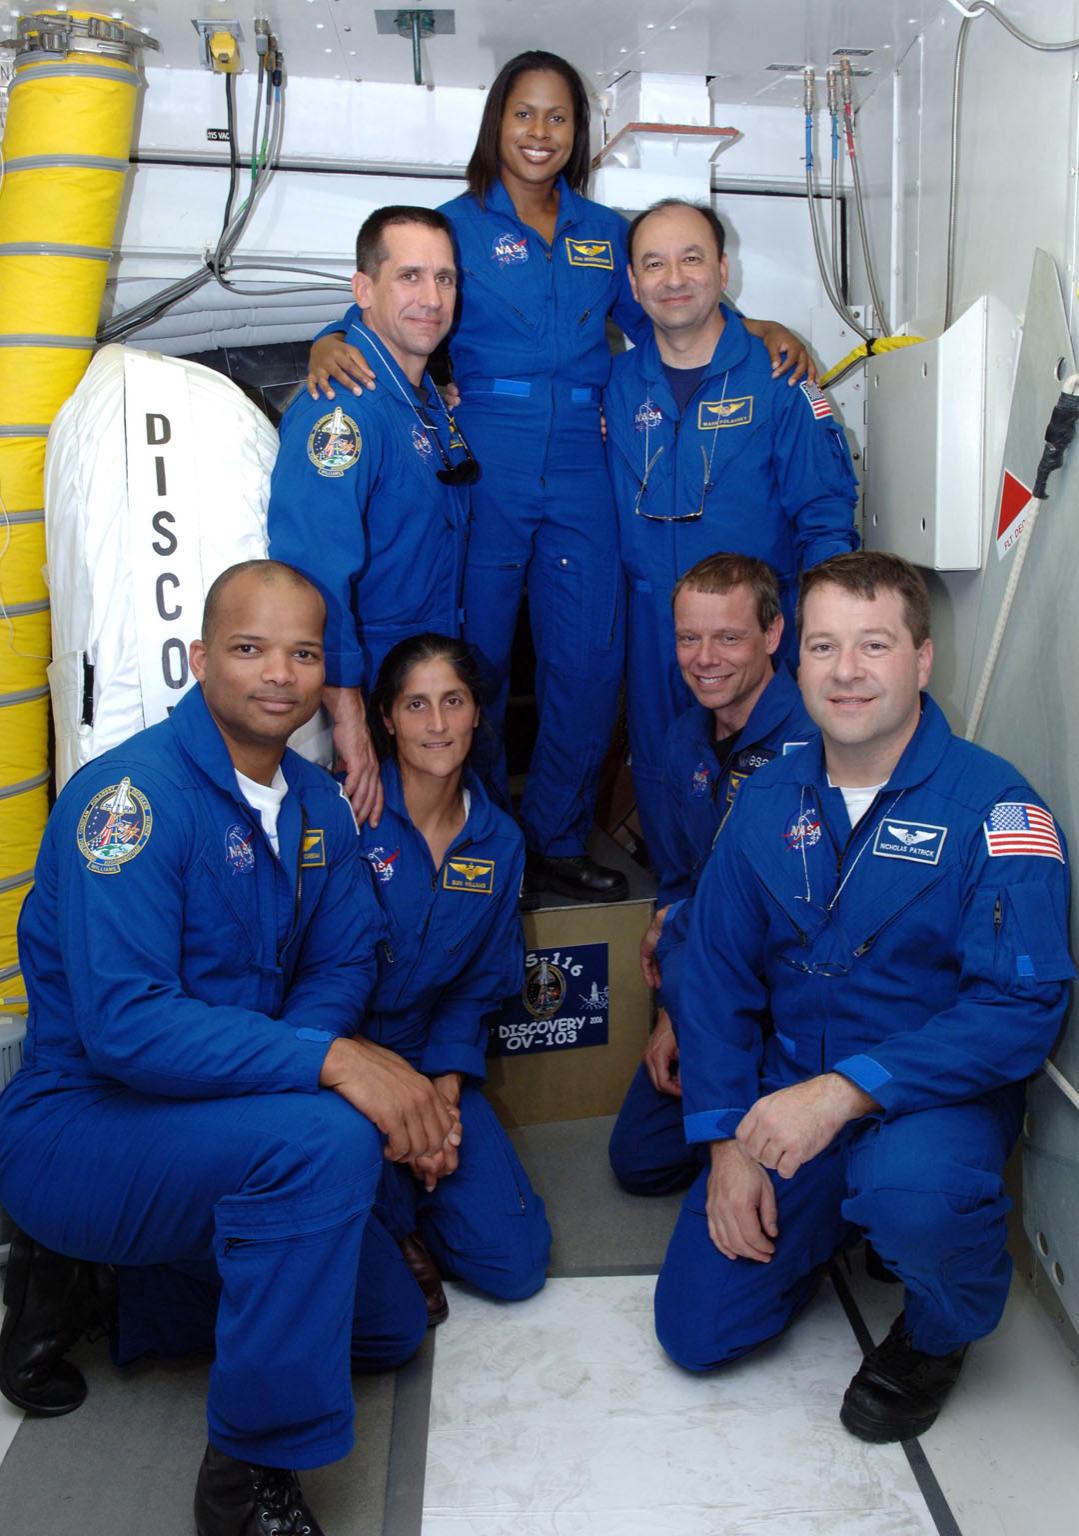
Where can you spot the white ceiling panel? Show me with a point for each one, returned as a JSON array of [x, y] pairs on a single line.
[[733, 40]]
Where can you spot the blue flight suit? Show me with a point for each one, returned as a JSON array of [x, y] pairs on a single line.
[[751, 465], [355, 503], [185, 985], [453, 951], [648, 1150], [925, 957], [530, 357]]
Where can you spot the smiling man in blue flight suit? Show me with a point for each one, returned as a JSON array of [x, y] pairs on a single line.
[[370, 500], [199, 943], [877, 959], [707, 451], [728, 627]]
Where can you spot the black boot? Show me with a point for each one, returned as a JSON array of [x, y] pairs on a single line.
[[235, 1498], [576, 875], [51, 1303], [898, 1390]]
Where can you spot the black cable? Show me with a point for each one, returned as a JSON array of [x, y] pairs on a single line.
[[1058, 434], [234, 153]]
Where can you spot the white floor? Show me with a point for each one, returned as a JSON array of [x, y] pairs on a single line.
[[561, 1417]]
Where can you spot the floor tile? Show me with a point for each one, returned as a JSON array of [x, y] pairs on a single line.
[[561, 1417]]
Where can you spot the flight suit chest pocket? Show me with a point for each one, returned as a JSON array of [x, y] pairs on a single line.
[[222, 903]]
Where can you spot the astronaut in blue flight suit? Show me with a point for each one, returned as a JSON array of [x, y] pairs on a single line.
[[877, 960], [542, 268], [371, 501], [707, 451], [728, 628], [448, 865], [199, 941]]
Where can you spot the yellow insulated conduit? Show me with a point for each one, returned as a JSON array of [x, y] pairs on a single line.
[[67, 141]]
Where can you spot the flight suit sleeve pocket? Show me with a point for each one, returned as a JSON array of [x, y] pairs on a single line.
[[1035, 948]]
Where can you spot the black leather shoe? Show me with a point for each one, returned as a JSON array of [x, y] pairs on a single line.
[[235, 1498], [578, 875], [427, 1276], [898, 1390], [51, 1303]]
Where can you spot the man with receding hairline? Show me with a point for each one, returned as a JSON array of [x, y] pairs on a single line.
[[193, 1106], [707, 450]]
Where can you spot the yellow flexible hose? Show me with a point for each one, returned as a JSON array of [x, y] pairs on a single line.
[[66, 146], [885, 344]]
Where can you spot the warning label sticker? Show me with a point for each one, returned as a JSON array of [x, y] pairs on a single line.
[[1012, 513]]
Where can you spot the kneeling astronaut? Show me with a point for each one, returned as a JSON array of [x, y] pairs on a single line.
[[199, 946], [877, 959]]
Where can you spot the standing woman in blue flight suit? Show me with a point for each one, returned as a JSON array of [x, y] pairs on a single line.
[[542, 267], [448, 867]]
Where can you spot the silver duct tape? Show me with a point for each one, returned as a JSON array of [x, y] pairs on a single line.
[[13, 882], [39, 248], [83, 71], [32, 339], [64, 162], [27, 696], [24, 786], [26, 429], [31, 515], [20, 610]]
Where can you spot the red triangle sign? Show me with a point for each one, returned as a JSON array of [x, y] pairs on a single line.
[[1014, 496]]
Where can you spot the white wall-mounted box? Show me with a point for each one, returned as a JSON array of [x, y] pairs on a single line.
[[936, 415]]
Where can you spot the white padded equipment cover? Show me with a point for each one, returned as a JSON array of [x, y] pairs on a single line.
[[157, 476]]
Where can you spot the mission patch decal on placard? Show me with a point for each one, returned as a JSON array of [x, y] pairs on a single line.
[[114, 827], [563, 1005], [590, 253], [334, 445], [712, 414], [469, 875]]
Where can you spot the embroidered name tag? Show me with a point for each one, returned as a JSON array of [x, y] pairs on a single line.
[[916, 840], [469, 875], [724, 413], [313, 854], [590, 253]]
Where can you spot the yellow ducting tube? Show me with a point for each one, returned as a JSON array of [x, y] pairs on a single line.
[[67, 142]]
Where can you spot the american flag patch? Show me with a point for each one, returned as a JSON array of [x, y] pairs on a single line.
[[1016, 828], [818, 400]]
